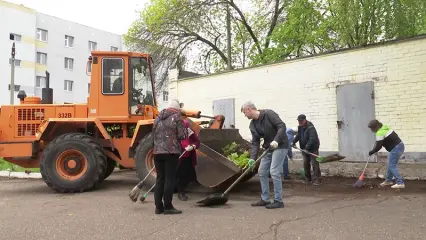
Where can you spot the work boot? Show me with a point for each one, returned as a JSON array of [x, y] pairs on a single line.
[[274, 205], [172, 211], [159, 211], [182, 197], [287, 177], [260, 203]]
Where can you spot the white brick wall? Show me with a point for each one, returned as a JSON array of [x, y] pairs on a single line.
[[308, 86]]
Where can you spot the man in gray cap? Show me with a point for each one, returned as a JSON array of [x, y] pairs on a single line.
[[308, 140]]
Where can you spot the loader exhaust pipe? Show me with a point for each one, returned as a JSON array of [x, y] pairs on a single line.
[[47, 92]]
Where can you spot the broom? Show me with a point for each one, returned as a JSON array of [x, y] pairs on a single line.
[[326, 159], [360, 182], [134, 193], [143, 197]]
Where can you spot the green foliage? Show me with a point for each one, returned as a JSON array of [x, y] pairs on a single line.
[[267, 31], [317, 26], [236, 154], [301, 34], [175, 27]]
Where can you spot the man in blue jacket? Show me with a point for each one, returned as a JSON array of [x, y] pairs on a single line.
[[307, 137], [268, 125], [290, 135]]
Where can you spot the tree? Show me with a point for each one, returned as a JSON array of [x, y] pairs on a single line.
[[303, 33], [317, 26], [199, 25]]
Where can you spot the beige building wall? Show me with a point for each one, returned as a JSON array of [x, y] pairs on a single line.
[[308, 85]]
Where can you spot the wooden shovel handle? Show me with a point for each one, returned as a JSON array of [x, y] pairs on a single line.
[[246, 171], [307, 152]]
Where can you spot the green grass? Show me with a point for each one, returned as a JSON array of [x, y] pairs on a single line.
[[6, 166]]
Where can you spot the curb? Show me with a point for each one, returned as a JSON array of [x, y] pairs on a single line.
[[23, 175], [408, 171], [9, 174]]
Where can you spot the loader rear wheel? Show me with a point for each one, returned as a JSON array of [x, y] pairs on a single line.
[[145, 160], [73, 162]]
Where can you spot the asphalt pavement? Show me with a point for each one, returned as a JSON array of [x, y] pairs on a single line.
[[30, 210]]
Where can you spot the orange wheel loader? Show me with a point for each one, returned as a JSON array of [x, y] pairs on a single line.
[[77, 146]]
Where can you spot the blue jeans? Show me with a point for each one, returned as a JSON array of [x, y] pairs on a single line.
[[272, 163], [285, 164], [393, 159]]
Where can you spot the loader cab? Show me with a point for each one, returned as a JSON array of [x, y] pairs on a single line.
[[121, 85]]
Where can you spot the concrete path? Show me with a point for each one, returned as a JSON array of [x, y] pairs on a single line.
[[30, 210]]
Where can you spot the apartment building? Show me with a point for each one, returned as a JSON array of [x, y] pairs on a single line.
[[49, 43]]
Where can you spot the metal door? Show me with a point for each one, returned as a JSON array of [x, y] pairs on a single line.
[[355, 108], [225, 107]]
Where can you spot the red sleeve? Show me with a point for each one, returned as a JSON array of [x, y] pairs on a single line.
[[195, 140]]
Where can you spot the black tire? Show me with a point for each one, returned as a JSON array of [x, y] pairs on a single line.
[[142, 150], [91, 150], [110, 167]]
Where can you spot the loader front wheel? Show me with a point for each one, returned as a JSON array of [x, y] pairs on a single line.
[[145, 160], [73, 162], [110, 167]]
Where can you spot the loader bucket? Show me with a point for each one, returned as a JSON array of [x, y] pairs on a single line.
[[214, 169]]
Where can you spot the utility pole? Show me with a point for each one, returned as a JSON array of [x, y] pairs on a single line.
[[12, 75], [228, 35]]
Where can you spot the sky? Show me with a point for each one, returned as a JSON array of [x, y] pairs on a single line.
[[115, 16]]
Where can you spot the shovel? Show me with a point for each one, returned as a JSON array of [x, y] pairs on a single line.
[[221, 199], [326, 159]]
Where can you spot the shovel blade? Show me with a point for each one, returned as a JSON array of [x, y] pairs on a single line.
[[214, 200], [333, 158]]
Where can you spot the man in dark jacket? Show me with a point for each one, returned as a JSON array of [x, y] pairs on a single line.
[[168, 132], [267, 124], [308, 140]]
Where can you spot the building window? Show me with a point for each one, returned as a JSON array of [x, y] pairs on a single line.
[[92, 46], [88, 88], [69, 41], [68, 84], [114, 49], [165, 96], [112, 76], [41, 58], [69, 63], [17, 62], [41, 35], [15, 37], [40, 82]]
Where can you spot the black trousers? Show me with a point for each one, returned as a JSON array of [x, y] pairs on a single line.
[[166, 165], [184, 173], [309, 160]]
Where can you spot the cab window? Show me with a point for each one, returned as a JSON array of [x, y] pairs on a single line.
[[112, 76], [141, 84]]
